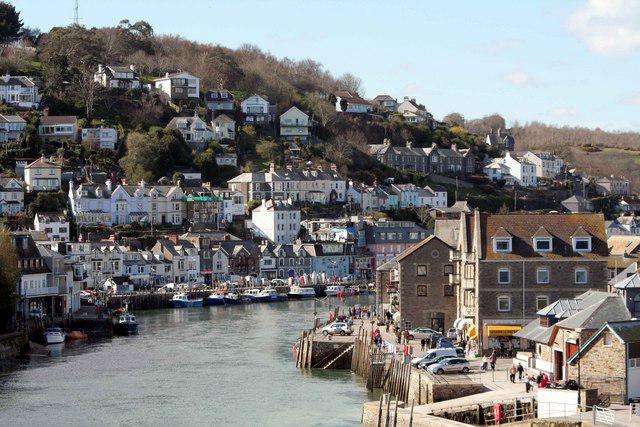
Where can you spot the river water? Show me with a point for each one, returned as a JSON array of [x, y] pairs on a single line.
[[226, 365]]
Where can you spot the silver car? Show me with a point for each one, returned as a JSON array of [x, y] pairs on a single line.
[[419, 333], [454, 364], [337, 328]]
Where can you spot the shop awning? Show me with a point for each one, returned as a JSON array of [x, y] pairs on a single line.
[[502, 330]]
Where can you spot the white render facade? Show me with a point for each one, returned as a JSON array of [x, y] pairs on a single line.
[[11, 196], [294, 124], [178, 86], [93, 204], [54, 226], [117, 77], [19, 91], [100, 137], [516, 170], [276, 220], [43, 175], [548, 165]]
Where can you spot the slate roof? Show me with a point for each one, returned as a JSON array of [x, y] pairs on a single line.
[[630, 282], [58, 120], [23, 81], [628, 331], [218, 95], [352, 98], [522, 227]]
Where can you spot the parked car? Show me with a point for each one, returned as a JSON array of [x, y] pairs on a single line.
[[452, 333], [454, 364], [434, 354], [278, 282], [445, 342], [419, 333], [427, 363], [339, 328]]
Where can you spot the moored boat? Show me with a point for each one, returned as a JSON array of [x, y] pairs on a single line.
[[216, 298], [298, 292], [231, 298], [181, 300], [76, 336], [125, 324], [270, 295], [354, 290], [54, 336], [250, 295], [334, 290]]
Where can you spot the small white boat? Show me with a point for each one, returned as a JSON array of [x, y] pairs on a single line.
[[54, 336], [334, 290], [271, 295], [251, 294], [301, 292]]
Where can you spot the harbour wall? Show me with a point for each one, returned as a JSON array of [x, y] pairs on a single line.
[[13, 344]]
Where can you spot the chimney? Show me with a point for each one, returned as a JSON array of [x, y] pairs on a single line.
[[272, 168], [406, 98], [334, 167], [409, 144], [109, 184], [289, 167], [132, 67], [386, 141], [454, 147], [413, 100], [264, 202], [6, 77], [434, 145], [142, 183], [166, 75], [100, 68]]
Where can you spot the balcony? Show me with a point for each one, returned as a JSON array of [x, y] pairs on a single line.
[[454, 279], [41, 292]]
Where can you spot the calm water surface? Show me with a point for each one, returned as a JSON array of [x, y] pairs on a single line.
[[212, 365]]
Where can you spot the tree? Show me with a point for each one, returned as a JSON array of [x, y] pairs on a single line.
[[10, 23], [9, 276], [322, 109], [454, 119], [272, 151], [177, 178], [206, 162], [151, 155], [344, 104], [351, 83], [48, 202], [86, 89]]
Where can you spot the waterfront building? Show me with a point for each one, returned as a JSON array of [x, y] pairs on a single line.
[[510, 266], [276, 220], [284, 261], [183, 256], [387, 239]]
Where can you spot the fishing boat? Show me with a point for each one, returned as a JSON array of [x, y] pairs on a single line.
[[216, 298], [181, 300], [54, 336], [270, 295], [298, 292], [250, 295], [231, 298], [76, 336], [125, 324], [354, 290], [334, 290]]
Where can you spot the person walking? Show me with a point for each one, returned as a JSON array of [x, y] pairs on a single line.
[[485, 362], [520, 371], [494, 357], [512, 374], [529, 384], [423, 343]]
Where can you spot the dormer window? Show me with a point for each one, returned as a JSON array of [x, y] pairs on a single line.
[[543, 244], [502, 245], [582, 244]]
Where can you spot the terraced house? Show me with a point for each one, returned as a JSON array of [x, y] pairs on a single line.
[[508, 267]]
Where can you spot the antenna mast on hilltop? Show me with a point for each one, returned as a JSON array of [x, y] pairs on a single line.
[[76, 19]]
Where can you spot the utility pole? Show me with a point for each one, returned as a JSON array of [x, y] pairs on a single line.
[[76, 19]]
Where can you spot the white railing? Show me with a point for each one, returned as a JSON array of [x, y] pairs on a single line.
[[50, 290]]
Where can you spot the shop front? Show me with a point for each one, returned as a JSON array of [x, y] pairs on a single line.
[[500, 337]]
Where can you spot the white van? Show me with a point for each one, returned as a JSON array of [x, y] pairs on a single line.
[[436, 353]]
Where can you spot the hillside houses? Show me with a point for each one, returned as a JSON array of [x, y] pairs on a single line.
[[413, 112], [424, 160], [219, 100], [12, 128], [180, 86], [19, 91], [350, 102], [305, 185], [58, 128], [194, 130], [11, 196], [295, 125], [223, 127], [117, 77], [515, 170], [256, 110]]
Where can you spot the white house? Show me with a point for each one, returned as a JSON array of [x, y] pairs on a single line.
[[219, 100], [256, 110], [19, 91], [412, 111], [100, 137], [11, 196], [548, 165], [223, 127], [93, 204], [435, 197], [515, 170], [58, 128], [294, 124], [178, 86], [43, 175], [12, 128], [276, 220], [55, 226], [352, 101], [184, 258], [232, 204], [117, 77], [193, 129]]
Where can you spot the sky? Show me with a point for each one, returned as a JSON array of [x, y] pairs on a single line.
[[564, 62]]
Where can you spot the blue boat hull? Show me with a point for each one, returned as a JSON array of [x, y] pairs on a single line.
[[190, 303], [215, 301], [125, 328], [272, 298], [231, 301]]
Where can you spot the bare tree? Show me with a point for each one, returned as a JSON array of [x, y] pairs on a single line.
[[351, 83]]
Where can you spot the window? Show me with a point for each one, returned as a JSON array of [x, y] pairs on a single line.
[[543, 244], [448, 269], [582, 244], [504, 276], [607, 340], [422, 270], [448, 290], [504, 303], [422, 290], [581, 276], [541, 302], [542, 276], [502, 245]]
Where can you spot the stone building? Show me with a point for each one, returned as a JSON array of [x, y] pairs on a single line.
[[426, 298], [508, 267]]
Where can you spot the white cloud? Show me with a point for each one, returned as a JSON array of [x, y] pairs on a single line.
[[562, 112], [521, 78], [632, 99], [608, 27]]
